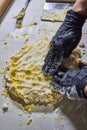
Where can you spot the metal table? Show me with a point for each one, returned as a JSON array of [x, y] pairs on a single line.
[[70, 115]]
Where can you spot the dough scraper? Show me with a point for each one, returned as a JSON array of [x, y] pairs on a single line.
[[58, 4]]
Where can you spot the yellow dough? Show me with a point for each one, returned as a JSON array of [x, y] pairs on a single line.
[[73, 61], [24, 78], [54, 16]]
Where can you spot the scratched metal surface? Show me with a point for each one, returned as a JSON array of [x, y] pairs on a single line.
[[70, 115]]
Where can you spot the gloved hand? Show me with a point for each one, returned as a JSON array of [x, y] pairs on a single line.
[[71, 83], [64, 41]]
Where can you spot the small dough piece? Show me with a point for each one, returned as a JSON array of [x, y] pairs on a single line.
[[54, 16], [5, 107], [82, 45], [73, 61]]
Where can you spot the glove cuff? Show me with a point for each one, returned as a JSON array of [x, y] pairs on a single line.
[[80, 88], [75, 18]]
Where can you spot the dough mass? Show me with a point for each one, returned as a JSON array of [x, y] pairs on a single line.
[[24, 78]]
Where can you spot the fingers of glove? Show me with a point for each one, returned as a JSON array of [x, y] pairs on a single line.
[[54, 40], [56, 79], [60, 89], [52, 62], [48, 61], [49, 54], [84, 68], [55, 63], [60, 74], [77, 79], [62, 69]]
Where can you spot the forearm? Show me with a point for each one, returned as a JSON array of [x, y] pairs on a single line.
[[80, 7]]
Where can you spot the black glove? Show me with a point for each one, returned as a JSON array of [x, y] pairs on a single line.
[[64, 41], [71, 83]]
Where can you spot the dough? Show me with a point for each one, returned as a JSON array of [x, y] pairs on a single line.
[[73, 61], [24, 78], [53, 16]]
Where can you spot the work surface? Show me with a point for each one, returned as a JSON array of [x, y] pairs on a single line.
[[70, 115]]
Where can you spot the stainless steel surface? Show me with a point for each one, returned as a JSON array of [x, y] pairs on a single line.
[[70, 115]]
